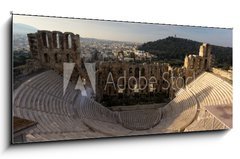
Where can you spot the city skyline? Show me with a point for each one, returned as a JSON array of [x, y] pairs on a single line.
[[128, 31]]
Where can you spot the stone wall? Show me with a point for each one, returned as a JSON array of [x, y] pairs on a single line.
[[222, 73], [121, 80], [201, 62], [31, 66], [54, 48]]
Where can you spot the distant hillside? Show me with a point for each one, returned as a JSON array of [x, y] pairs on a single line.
[[19, 28], [174, 49]]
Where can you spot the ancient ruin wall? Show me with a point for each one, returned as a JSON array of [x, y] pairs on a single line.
[[51, 49]]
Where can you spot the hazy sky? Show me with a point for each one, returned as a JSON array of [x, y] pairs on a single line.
[[122, 31]]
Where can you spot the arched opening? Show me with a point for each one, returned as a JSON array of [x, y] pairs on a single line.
[[136, 72], [142, 72], [56, 58], [46, 58], [74, 45], [130, 70], [68, 58], [45, 40], [57, 41], [205, 64], [69, 41]]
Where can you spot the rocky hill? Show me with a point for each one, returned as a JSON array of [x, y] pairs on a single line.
[[175, 49]]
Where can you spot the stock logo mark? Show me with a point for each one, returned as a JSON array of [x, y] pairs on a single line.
[[81, 82]]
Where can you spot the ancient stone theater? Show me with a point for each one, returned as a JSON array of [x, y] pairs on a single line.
[[126, 99]]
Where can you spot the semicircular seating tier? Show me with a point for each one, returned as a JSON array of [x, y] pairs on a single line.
[[211, 93], [73, 116]]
